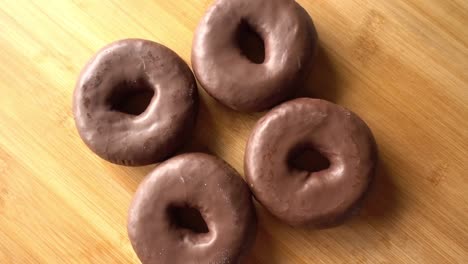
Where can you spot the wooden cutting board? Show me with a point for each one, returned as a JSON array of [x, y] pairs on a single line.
[[401, 65]]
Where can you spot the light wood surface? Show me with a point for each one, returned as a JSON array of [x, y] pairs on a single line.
[[401, 65]]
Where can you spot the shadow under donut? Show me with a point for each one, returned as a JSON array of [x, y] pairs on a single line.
[[321, 80], [265, 249], [381, 203], [204, 133]]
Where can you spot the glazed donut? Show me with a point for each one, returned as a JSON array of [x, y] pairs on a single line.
[[161, 223], [116, 72], [290, 41], [302, 197]]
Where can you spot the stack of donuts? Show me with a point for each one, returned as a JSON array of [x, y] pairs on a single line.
[[194, 207]]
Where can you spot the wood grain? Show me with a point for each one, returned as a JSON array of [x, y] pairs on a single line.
[[401, 65]]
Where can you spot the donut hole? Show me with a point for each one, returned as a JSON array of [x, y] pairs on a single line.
[[308, 159], [250, 43], [131, 97], [186, 217]]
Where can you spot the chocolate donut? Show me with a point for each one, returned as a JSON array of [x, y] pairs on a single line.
[[290, 40], [119, 132], [299, 196], [164, 224]]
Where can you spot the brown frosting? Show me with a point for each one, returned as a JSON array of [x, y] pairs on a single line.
[[160, 230], [290, 41], [301, 197], [135, 66]]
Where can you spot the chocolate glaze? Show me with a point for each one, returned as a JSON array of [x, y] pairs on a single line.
[[202, 182], [126, 66], [301, 197], [226, 74]]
